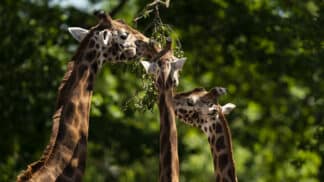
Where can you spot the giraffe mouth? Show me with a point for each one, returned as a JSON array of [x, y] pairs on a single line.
[[130, 52]]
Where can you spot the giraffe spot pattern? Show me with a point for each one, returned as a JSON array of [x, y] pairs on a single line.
[[69, 111], [61, 178], [210, 129], [68, 171], [182, 111], [214, 126], [166, 160], [114, 49], [83, 153], [122, 57], [94, 67], [218, 178], [205, 128], [91, 43], [218, 128], [91, 55], [230, 173], [82, 69], [90, 82], [214, 155], [78, 177], [222, 161], [220, 143], [195, 116], [212, 139], [61, 132]]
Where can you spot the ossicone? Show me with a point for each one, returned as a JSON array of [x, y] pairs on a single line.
[[103, 17]]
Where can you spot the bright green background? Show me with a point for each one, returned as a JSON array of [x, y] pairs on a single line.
[[268, 53]]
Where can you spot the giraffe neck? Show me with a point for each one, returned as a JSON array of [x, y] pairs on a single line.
[[169, 161], [220, 141], [64, 156], [219, 138]]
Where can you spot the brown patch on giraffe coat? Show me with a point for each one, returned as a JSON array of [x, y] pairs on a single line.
[[231, 174], [94, 67], [222, 161], [90, 82], [114, 49], [91, 55], [212, 139], [220, 143], [218, 178], [91, 43], [218, 128], [61, 132], [69, 171], [82, 160], [64, 89], [77, 177], [205, 128], [63, 178], [82, 69], [195, 116], [68, 112], [182, 111]]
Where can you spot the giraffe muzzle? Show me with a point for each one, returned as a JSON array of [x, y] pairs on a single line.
[[130, 52]]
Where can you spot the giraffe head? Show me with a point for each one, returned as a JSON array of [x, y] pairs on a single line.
[[198, 107], [111, 40], [165, 68], [200, 100]]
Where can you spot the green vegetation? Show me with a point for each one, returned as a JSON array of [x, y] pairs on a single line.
[[268, 53]]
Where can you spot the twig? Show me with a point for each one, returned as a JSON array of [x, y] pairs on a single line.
[[149, 8]]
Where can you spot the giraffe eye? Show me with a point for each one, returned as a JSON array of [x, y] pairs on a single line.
[[123, 35]]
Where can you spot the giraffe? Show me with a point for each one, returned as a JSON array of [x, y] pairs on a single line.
[[165, 69], [109, 41], [197, 108]]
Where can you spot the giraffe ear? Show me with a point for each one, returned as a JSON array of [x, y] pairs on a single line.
[[78, 33], [227, 108], [178, 64], [149, 67], [105, 36]]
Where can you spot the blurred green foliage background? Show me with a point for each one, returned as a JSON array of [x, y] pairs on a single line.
[[268, 53]]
